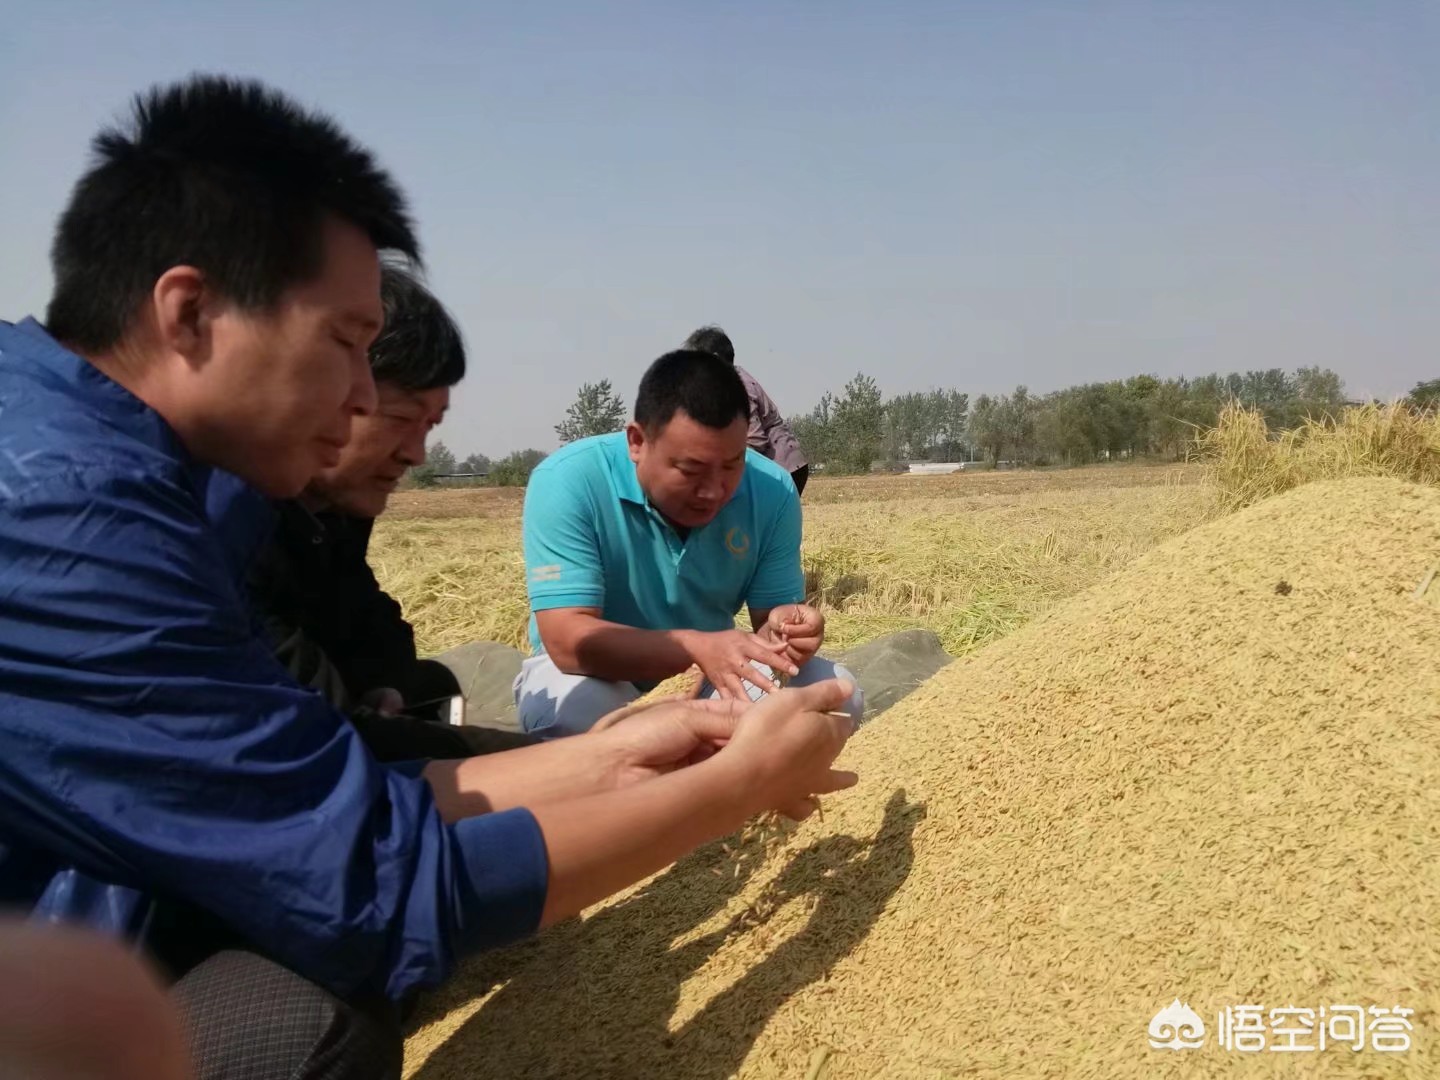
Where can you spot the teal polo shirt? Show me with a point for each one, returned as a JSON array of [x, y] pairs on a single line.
[[593, 540]]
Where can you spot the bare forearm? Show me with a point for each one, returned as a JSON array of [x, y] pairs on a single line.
[[610, 651], [529, 776], [603, 843]]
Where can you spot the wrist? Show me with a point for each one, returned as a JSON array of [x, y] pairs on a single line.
[[685, 641], [735, 794], [607, 760], [743, 779]]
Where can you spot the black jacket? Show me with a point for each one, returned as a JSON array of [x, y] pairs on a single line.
[[331, 623], [337, 631]]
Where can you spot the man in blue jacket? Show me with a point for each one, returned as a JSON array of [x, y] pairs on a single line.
[[162, 777]]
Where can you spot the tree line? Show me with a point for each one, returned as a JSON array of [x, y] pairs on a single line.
[[597, 410], [1142, 416], [1139, 416]]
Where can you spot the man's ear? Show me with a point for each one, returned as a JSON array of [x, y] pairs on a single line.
[[635, 440], [180, 304]]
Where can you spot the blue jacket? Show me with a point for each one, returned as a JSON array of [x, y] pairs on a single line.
[[152, 750]]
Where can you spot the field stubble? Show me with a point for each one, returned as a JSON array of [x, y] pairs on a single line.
[[970, 556]]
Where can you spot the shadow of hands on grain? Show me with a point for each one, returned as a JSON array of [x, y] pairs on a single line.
[[596, 998], [582, 985]]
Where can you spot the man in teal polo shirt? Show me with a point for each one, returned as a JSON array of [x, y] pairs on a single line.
[[642, 546]]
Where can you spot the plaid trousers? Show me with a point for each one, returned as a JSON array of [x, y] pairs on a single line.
[[248, 1018]]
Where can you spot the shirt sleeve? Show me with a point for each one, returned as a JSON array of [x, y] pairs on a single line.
[[307, 662], [779, 577], [756, 435], [153, 741], [563, 568]]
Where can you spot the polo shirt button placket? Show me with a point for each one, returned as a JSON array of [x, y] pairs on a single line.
[[673, 543]]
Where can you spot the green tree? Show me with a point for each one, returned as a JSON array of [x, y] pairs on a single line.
[[514, 470], [986, 427], [1017, 420], [1204, 398], [421, 476], [478, 464], [956, 415], [1316, 392], [1319, 386], [1141, 387], [1167, 411], [1061, 429], [1273, 392], [1142, 414], [1426, 395], [859, 421], [597, 410], [896, 446], [815, 431], [928, 425], [440, 458], [1126, 416], [909, 427]]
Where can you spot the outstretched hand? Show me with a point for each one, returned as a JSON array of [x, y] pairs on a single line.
[[655, 738], [780, 748], [787, 742], [726, 659]]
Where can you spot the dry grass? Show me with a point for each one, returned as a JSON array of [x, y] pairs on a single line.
[[1188, 782], [972, 556], [1248, 462], [458, 579]]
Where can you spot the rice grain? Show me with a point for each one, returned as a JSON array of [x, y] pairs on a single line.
[[1183, 783]]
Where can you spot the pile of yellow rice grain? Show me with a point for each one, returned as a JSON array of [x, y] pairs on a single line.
[[1213, 778]]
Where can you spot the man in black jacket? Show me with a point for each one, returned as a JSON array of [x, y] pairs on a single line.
[[332, 624]]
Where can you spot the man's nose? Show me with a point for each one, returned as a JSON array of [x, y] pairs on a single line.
[[364, 398], [412, 450]]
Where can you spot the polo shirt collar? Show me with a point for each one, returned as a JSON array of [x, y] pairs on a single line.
[[627, 480]]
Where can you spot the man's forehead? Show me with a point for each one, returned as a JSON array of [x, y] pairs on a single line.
[[350, 310], [349, 279], [437, 399], [683, 431], [693, 455], [367, 317]]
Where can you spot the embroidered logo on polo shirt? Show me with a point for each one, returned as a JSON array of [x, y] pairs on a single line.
[[544, 574], [738, 541]]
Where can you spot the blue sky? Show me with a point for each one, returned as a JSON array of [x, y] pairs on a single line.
[[939, 194]]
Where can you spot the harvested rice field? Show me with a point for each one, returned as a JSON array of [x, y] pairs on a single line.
[[1209, 778], [971, 556]]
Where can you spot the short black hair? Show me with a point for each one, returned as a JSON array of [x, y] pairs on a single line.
[[419, 347], [225, 175], [713, 340], [707, 388]]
